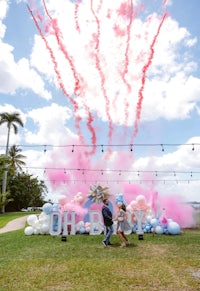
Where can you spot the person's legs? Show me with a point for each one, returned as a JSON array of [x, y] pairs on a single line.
[[109, 232], [125, 238], [109, 243], [120, 236]]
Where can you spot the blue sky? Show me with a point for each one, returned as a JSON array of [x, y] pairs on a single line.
[[169, 109]]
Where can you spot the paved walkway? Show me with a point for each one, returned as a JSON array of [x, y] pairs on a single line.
[[14, 224]]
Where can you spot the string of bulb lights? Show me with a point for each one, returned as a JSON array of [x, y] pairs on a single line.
[[119, 171], [193, 176], [103, 147], [127, 181]]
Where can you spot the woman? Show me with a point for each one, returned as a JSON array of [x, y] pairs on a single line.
[[122, 225]]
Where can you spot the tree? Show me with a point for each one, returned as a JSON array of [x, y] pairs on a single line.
[[16, 162], [26, 191], [4, 197], [12, 120]]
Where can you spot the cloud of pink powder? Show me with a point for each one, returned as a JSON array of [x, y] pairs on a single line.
[[79, 179]]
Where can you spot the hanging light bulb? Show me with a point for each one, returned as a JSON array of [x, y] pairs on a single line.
[[45, 149]]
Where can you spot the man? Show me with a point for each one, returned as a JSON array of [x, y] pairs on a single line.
[[108, 222]]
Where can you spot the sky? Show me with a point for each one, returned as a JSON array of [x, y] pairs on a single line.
[[108, 91]]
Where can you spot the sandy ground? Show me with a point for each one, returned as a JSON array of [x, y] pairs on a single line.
[[15, 224]]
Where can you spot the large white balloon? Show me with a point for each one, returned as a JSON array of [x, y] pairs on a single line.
[[31, 219], [44, 229], [29, 230]]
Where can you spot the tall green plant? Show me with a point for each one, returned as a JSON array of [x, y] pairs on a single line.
[[16, 159], [12, 120], [5, 199]]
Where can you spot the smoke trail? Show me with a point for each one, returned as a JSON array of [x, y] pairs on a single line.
[[76, 11], [58, 35], [125, 71], [164, 3], [102, 77], [77, 88], [132, 15], [144, 73], [59, 79]]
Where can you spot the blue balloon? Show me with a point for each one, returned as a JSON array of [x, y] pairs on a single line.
[[56, 207], [148, 227], [47, 208], [173, 228], [82, 230], [159, 229], [154, 222]]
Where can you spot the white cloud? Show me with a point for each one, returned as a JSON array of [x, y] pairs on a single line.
[[172, 99], [171, 69], [3, 12], [50, 125], [16, 75], [171, 172], [3, 8]]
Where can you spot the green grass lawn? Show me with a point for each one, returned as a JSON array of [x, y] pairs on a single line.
[[8, 216], [43, 262]]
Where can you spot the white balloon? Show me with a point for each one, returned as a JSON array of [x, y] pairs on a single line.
[[31, 219], [44, 229], [29, 230], [36, 224], [36, 231]]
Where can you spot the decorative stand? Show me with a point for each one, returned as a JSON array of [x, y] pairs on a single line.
[[63, 238], [140, 236]]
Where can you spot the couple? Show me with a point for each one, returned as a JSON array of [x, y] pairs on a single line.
[[122, 223]]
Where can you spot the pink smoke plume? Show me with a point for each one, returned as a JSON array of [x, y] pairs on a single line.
[[75, 178], [106, 36]]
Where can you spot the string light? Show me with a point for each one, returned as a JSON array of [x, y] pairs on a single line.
[[120, 171], [163, 146], [45, 149], [124, 181], [117, 180]]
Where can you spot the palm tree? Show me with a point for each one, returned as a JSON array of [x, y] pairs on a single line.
[[12, 120], [16, 158]]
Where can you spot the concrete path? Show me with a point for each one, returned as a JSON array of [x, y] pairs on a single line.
[[14, 224]]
